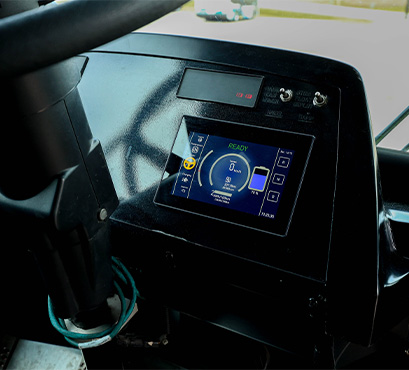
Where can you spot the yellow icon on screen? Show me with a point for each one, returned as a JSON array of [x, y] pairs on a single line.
[[189, 163]]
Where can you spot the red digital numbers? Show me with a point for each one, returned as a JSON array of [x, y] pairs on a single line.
[[246, 96]]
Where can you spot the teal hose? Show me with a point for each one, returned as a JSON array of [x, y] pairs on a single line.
[[121, 275]]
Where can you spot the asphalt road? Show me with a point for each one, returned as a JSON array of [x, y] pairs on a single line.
[[378, 47]]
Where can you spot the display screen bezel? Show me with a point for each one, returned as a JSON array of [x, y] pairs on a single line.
[[301, 144]]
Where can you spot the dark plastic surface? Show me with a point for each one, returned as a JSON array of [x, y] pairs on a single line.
[[54, 183], [330, 275], [137, 129]]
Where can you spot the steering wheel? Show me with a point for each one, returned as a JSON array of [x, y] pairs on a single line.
[[30, 41], [49, 34]]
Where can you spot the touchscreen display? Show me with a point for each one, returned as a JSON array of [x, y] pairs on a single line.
[[235, 174]]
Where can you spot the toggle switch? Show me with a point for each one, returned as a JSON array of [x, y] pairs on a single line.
[[319, 99], [286, 95]]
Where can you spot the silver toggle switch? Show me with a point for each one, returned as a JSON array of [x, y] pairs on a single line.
[[286, 95], [319, 99]]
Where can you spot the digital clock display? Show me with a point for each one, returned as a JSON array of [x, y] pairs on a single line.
[[220, 87]]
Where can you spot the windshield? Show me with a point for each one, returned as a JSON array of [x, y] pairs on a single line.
[[371, 35]]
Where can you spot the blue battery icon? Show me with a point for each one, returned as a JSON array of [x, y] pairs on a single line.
[[259, 178]]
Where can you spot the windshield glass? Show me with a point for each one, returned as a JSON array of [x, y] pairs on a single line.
[[371, 35]]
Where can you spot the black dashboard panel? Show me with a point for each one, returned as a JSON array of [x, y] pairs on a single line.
[[145, 138], [276, 280]]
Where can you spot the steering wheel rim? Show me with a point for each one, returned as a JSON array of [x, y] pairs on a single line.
[[52, 33]]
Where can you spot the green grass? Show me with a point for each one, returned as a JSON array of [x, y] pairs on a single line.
[[391, 5], [190, 5], [288, 14]]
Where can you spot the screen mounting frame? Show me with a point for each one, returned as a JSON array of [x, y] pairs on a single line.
[[300, 143]]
